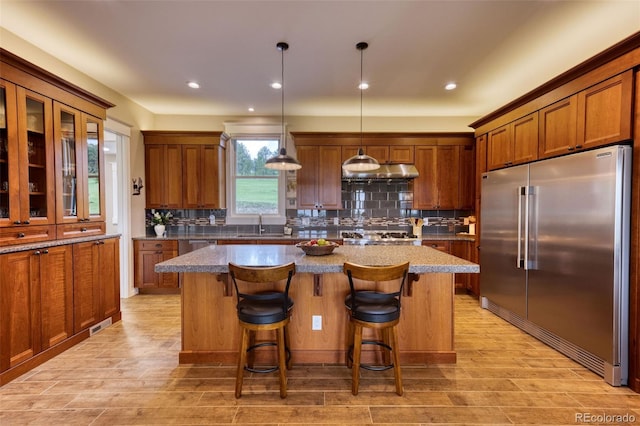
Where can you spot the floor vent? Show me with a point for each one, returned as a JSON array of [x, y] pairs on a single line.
[[576, 353], [100, 326]]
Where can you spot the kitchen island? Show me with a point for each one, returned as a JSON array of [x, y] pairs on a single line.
[[210, 331]]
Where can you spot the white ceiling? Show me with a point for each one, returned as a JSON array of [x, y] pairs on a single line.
[[495, 50]]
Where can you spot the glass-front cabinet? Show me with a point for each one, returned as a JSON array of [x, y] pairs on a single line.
[[79, 157], [26, 157]]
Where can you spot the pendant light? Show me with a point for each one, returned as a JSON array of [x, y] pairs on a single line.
[[282, 161], [361, 162]]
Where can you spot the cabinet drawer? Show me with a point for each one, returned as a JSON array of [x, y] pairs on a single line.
[[157, 245], [75, 230], [444, 246], [26, 234]]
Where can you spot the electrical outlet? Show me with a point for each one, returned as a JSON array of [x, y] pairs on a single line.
[[316, 322]]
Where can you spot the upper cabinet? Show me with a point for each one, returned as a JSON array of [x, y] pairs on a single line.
[[51, 165], [196, 161], [446, 177], [319, 179], [26, 159], [79, 142], [513, 143]]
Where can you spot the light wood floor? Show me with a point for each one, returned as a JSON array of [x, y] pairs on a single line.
[[128, 375]]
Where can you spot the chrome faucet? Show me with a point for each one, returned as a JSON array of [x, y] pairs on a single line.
[[260, 228]]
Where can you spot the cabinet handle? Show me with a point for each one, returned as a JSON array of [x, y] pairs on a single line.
[[37, 253], [83, 229], [21, 235], [578, 146], [45, 251], [570, 148], [16, 222]]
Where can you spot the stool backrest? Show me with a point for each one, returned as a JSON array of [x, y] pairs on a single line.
[[376, 273], [263, 274]]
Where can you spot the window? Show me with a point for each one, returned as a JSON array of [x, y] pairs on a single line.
[[254, 188]]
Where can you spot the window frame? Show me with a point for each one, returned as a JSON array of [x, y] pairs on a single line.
[[235, 218]]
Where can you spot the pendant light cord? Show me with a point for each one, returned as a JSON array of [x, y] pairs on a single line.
[[361, 90], [284, 142]]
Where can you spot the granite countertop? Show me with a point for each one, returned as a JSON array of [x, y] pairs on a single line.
[[53, 243], [216, 259]]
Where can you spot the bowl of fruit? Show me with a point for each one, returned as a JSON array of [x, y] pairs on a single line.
[[319, 247]]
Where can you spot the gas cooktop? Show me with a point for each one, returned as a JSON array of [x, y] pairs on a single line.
[[379, 237]]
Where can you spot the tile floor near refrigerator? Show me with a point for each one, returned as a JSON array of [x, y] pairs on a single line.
[[128, 374]]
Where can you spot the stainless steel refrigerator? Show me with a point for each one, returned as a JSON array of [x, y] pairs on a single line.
[[554, 254]]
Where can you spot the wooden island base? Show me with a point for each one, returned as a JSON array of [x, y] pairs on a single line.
[[210, 331]]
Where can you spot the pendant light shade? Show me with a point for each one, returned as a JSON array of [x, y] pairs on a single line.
[[360, 162], [282, 161]]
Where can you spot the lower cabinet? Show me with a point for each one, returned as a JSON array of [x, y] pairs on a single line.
[[36, 302], [146, 253], [49, 297], [96, 289]]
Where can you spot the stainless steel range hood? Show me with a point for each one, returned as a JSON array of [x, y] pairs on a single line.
[[385, 172]]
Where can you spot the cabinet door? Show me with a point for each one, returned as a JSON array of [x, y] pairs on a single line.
[[56, 289], [401, 154], [79, 141], [19, 308], [329, 177], [467, 178], [26, 158], [499, 147], [307, 177], [86, 291], [108, 275], [461, 249], [440, 245], [557, 123], [379, 152], [145, 275], [200, 177], [525, 139], [604, 112], [448, 176], [163, 171], [425, 188], [9, 170]]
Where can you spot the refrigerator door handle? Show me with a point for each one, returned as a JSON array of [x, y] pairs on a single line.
[[527, 192], [521, 194]]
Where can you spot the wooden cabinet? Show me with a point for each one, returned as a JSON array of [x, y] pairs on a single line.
[[202, 181], [446, 174], [385, 154], [36, 302], [96, 277], [557, 133], [196, 161], [146, 254], [604, 112], [513, 143], [26, 158], [319, 180], [79, 143], [164, 190], [441, 245]]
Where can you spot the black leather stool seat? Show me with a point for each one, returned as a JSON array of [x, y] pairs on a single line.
[[267, 308], [373, 306]]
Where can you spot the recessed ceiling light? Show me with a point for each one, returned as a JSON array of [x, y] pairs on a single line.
[[276, 85], [251, 109], [193, 84], [450, 86], [363, 86]]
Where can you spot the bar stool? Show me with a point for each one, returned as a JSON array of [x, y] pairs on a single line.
[[374, 310], [263, 310]]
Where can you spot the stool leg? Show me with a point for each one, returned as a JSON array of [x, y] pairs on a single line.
[[251, 355], [242, 358], [350, 333], [282, 362], [396, 360], [287, 339], [357, 348], [386, 355]]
